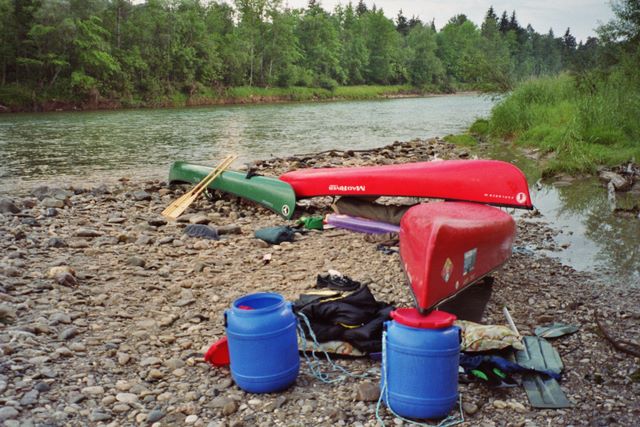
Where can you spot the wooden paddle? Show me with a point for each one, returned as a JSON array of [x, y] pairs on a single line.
[[175, 209]]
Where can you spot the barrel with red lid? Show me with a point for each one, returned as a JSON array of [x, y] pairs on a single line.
[[421, 354]]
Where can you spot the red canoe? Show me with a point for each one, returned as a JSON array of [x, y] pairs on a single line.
[[447, 246], [486, 181]]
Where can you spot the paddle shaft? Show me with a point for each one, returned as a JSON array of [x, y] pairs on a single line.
[[176, 208]]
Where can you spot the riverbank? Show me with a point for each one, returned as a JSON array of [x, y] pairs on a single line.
[[16, 100], [120, 339], [580, 123]]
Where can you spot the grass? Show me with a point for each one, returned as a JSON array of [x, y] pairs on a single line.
[[584, 124], [297, 93]]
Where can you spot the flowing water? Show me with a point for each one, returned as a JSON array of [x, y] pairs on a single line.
[[105, 145]]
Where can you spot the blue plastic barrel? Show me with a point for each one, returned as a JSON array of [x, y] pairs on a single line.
[[420, 363], [263, 344]]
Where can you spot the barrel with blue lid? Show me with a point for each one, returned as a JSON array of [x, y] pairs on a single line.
[[421, 354], [263, 345]]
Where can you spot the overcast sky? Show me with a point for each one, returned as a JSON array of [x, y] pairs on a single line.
[[582, 16]]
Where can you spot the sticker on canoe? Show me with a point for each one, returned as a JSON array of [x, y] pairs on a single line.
[[521, 198], [470, 260], [360, 188], [447, 269], [285, 210]]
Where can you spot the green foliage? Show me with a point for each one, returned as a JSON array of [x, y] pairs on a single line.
[[480, 127], [464, 140], [582, 126], [147, 51]]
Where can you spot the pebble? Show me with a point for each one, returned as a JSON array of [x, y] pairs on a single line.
[[141, 195], [155, 415], [87, 232], [158, 221], [229, 408], [8, 207], [469, 408], [367, 392], [50, 202], [199, 219], [93, 390], [68, 333], [8, 413], [191, 419], [151, 361], [29, 398], [499, 404], [126, 315], [126, 398], [98, 415], [136, 261], [155, 375], [220, 402]]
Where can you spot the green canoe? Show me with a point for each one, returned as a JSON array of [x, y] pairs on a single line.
[[268, 191]]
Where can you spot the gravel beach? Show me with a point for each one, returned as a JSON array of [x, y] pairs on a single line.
[[106, 309]]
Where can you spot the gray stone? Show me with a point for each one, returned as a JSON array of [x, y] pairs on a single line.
[[220, 402], [8, 413], [141, 195], [229, 229], [230, 408], [87, 232], [136, 261], [59, 317], [126, 398], [618, 181], [367, 392], [8, 207], [69, 333], [469, 408], [56, 242], [199, 219], [95, 390], [51, 202], [29, 398], [50, 212], [155, 415], [150, 361], [99, 415], [157, 221], [42, 387]]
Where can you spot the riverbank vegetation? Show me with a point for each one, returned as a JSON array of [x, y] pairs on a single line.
[[111, 53], [588, 116]]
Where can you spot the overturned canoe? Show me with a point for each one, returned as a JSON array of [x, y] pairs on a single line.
[[447, 246], [486, 181], [268, 191]]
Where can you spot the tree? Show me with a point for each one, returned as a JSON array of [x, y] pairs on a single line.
[[402, 24], [424, 66], [383, 42], [355, 54], [320, 45]]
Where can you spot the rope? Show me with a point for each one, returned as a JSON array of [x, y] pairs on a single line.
[[451, 420], [315, 365]]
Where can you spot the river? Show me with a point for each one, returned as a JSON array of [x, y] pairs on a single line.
[[105, 145]]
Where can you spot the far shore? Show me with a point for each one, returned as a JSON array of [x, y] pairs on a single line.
[[232, 96]]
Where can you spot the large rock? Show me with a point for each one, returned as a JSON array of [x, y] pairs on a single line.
[[618, 181], [8, 207]]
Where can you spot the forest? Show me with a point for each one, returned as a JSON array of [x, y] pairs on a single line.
[[137, 53]]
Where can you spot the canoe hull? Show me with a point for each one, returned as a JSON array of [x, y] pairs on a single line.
[[269, 192], [447, 246], [486, 181]]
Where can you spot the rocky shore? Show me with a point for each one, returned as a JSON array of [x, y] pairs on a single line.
[[106, 310]]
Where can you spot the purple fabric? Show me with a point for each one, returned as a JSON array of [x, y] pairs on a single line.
[[361, 225]]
